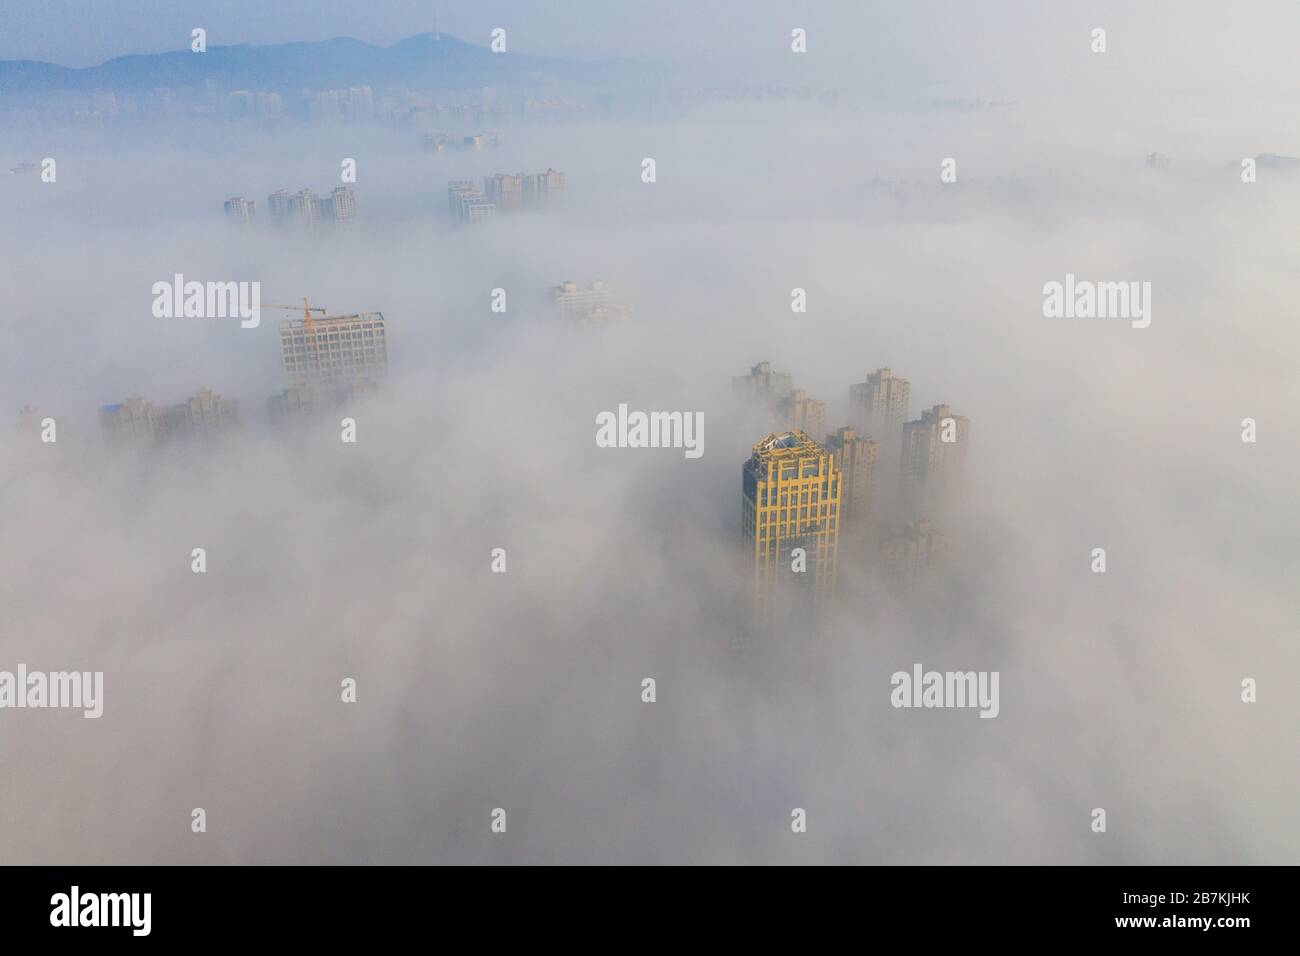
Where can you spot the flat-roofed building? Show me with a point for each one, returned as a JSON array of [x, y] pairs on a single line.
[[933, 459], [542, 186], [343, 203], [277, 206], [879, 406], [506, 190], [304, 207], [594, 305], [799, 412], [239, 210], [467, 204], [855, 460], [205, 415], [134, 422], [335, 350], [762, 384]]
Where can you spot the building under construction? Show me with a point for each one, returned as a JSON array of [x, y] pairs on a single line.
[[329, 359], [334, 350]]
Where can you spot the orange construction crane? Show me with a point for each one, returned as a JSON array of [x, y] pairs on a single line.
[[307, 310]]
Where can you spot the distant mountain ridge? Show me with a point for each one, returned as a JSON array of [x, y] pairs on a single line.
[[425, 61]]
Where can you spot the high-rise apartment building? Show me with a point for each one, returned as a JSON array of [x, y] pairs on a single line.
[[542, 186], [137, 422], [302, 403], [520, 190], [326, 105], [879, 406], [343, 204], [917, 548], [933, 456], [294, 404], [591, 306], [242, 103], [855, 461], [457, 190], [134, 422], [798, 412], [239, 209], [467, 204], [790, 492], [305, 208], [763, 385], [441, 142], [336, 351], [248, 104], [359, 103], [353, 104], [269, 105], [505, 190], [277, 205], [204, 416], [478, 209]]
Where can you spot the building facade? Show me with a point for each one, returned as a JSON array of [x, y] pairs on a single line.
[[204, 416], [543, 186], [855, 460], [239, 210], [137, 422], [798, 412], [762, 384], [515, 191], [506, 190], [343, 204], [306, 209], [594, 305], [132, 423], [916, 550], [879, 406], [790, 496], [335, 351], [933, 459], [467, 204], [303, 207]]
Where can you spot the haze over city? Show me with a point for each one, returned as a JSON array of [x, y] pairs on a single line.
[[517, 682]]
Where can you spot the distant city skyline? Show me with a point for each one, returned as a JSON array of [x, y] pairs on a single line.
[[906, 48]]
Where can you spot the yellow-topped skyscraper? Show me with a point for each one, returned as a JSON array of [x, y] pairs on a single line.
[[790, 491]]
